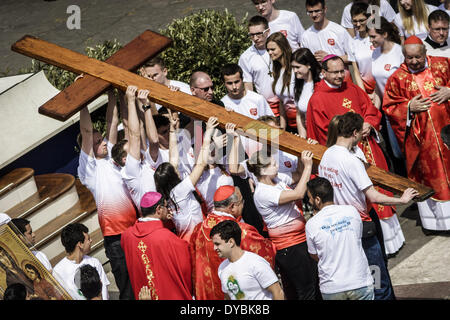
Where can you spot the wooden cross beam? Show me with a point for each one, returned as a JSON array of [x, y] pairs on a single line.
[[196, 108], [69, 101]]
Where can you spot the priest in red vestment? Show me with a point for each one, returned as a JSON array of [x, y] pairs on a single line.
[[334, 96], [228, 205], [156, 258], [416, 104]]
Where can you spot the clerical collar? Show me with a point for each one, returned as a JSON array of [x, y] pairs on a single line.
[[434, 44], [148, 219], [331, 85], [222, 213]]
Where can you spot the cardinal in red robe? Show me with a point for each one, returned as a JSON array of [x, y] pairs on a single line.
[[205, 261], [416, 104], [334, 96], [156, 258]]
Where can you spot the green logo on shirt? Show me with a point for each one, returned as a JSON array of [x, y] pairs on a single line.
[[233, 287]]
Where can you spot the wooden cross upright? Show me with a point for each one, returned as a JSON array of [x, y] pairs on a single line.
[[196, 108]]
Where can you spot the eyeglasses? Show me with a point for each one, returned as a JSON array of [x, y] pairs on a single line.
[[206, 89], [257, 34], [309, 13]]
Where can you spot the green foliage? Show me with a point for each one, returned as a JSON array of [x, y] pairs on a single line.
[[205, 40]]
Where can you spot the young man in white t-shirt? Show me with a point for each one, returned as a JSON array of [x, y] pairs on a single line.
[[156, 70], [77, 243], [352, 185], [239, 99], [286, 22], [333, 236], [244, 275], [256, 63], [101, 175], [325, 37]]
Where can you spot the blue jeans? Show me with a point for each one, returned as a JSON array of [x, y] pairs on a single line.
[[364, 293], [382, 285]]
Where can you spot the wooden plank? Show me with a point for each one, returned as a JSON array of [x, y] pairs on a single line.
[[85, 90], [195, 107]]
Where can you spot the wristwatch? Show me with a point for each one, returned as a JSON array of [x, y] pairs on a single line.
[[145, 108]]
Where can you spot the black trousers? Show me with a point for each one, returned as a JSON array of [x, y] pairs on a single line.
[[299, 273], [116, 256]]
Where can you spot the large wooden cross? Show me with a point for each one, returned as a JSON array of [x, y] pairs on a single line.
[[195, 107]]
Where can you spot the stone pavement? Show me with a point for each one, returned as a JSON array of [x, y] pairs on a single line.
[[420, 269]]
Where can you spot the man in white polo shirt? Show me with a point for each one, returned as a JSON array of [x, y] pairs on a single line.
[[325, 37], [256, 63], [333, 236], [239, 99], [286, 22]]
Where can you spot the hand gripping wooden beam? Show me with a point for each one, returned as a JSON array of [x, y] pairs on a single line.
[[196, 108]]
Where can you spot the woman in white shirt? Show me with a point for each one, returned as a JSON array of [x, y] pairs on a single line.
[[412, 18], [183, 200], [283, 79], [307, 73], [276, 201]]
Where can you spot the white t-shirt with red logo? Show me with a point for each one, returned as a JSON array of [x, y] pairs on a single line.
[[385, 64], [252, 105], [333, 39], [209, 182], [289, 24], [348, 177]]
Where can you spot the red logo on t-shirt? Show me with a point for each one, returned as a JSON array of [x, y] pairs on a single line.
[[387, 67], [331, 42], [288, 164], [254, 111], [284, 32]]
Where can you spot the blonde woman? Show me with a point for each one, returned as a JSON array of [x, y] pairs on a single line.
[[412, 18]]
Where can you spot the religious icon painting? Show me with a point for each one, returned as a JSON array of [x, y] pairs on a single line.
[[19, 265]]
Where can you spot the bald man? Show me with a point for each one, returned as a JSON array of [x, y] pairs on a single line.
[[416, 103], [203, 87]]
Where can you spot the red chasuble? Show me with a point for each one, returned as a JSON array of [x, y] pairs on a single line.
[[205, 261], [326, 102], [158, 259], [427, 159]]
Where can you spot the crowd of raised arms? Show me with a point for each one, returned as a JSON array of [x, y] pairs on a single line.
[[189, 210]]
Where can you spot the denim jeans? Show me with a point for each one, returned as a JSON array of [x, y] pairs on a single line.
[[116, 256], [382, 281], [364, 293]]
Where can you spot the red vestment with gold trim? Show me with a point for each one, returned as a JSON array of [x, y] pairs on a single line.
[[158, 259], [327, 102], [427, 159], [205, 261]]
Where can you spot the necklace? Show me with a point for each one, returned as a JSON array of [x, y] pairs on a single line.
[[270, 73]]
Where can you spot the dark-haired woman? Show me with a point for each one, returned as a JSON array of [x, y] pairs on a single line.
[[307, 73], [184, 202]]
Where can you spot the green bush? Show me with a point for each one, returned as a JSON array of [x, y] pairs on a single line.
[[205, 40]]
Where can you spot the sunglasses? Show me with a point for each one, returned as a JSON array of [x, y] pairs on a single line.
[[206, 89]]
